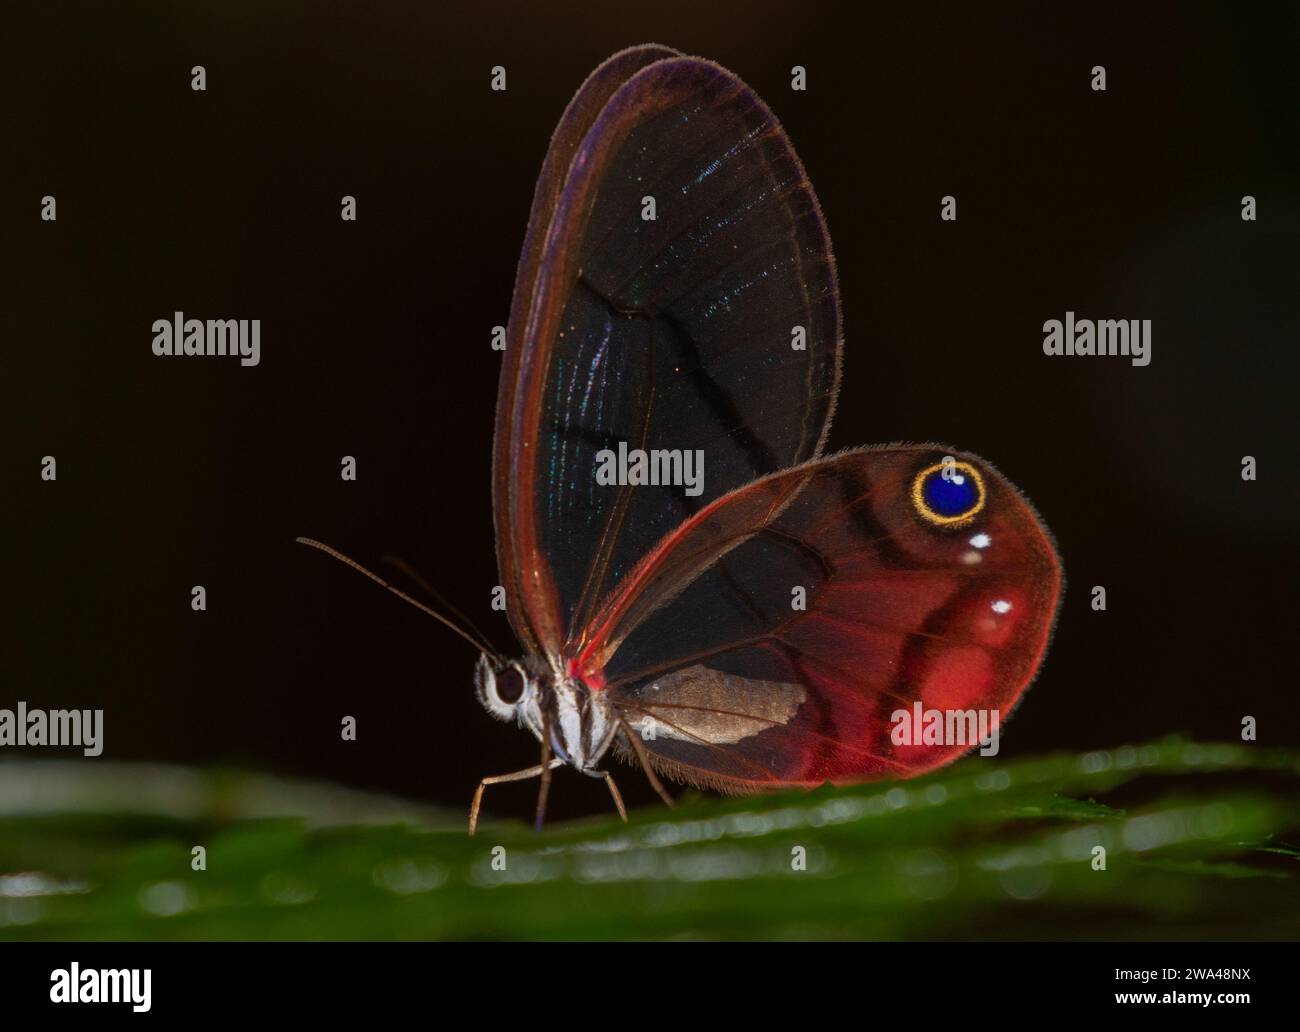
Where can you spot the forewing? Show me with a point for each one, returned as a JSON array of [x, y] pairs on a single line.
[[772, 638], [508, 448], [712, 326]]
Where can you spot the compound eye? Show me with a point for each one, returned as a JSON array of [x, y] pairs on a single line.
[[501, 688], [510, 685]]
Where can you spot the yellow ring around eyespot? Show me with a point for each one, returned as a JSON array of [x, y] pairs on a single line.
[[918, 498]]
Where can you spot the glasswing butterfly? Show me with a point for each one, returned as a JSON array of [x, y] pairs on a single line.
[[677, 296]]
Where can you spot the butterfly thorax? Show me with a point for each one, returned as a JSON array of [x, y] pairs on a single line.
[[582, 723]]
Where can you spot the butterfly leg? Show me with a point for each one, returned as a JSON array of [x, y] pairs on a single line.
[[613, 791], [519, 775], [543, 789], [639, 749]]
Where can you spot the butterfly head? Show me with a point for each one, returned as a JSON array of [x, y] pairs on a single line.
[[581, 722]]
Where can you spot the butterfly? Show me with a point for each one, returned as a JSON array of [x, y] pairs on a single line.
[[694, 585]]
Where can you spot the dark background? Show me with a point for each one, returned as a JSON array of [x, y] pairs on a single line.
[[375, 343]]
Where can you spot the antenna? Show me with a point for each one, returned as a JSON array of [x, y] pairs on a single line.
[[398, 563], [478, 643]]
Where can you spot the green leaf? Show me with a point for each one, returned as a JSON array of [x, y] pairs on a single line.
[[1197, 839]]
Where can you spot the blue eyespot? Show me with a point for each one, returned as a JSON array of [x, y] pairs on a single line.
[[949, 493], [954, 496]]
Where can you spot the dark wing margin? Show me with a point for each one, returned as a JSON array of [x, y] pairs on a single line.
[[583, 109], [673, 335], [770, 640]]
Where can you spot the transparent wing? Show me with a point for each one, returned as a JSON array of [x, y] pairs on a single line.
[[711, 327]]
